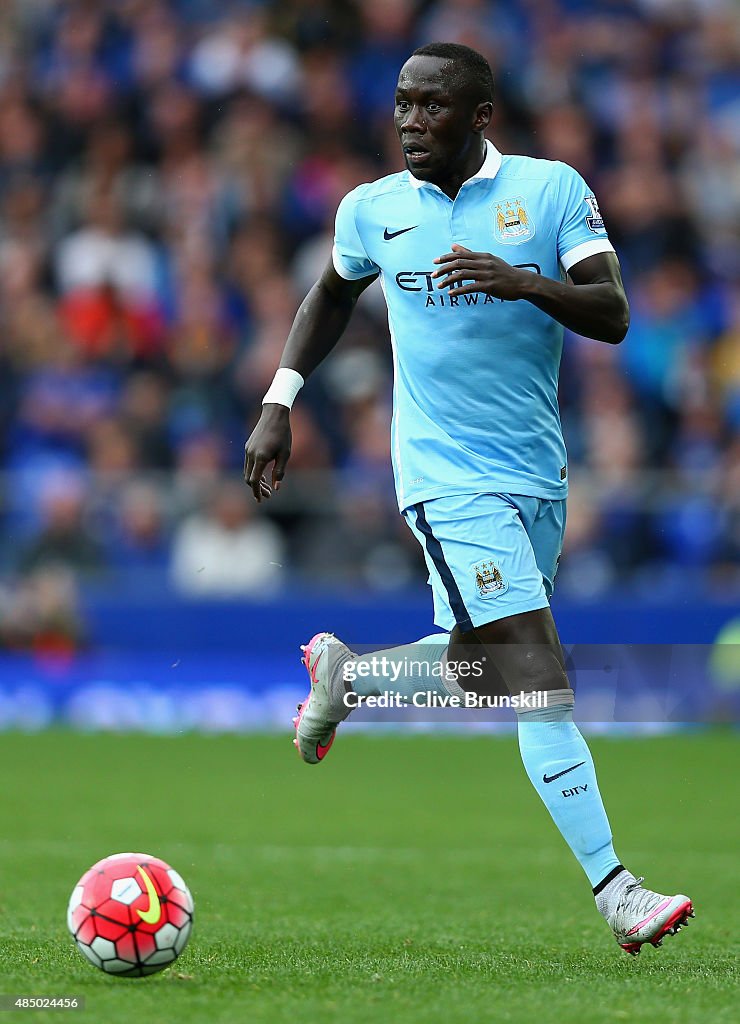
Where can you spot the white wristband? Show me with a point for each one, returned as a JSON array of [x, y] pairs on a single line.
[[285, 386]]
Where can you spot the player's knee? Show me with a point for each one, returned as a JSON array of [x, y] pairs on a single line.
[[540, 668], [523, 668], [529, 667]]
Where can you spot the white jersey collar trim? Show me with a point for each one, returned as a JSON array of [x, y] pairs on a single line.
[[489, 168]]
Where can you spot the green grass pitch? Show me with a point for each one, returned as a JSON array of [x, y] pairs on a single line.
[[407, 879]]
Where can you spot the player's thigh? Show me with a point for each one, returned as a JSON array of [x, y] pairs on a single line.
[[536, 627], [525, 647], [544, 521], [482, 566]]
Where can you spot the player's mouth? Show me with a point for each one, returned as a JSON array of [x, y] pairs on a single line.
[[416, 154]]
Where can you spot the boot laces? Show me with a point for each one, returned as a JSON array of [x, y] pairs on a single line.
[[637, 901]]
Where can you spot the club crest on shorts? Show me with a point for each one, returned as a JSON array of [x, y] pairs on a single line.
[[489, 579], [512, 222]]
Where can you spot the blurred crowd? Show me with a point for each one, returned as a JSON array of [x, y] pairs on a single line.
[[169, 172]]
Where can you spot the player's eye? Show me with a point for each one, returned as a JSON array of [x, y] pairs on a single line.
[[433, 108], [402, 104]]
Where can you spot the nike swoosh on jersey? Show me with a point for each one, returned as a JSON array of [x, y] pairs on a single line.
[[387, 235], [559, 774], [154, 911]]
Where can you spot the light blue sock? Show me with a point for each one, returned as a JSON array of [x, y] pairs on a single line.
[[413, 668], [561, 769]]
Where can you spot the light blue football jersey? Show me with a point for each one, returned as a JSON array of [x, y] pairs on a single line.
[[475, 405]]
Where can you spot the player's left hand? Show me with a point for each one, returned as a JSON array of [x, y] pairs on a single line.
[[481, 271]]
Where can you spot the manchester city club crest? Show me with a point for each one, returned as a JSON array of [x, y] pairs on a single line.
[[489, 579], [512, 222]]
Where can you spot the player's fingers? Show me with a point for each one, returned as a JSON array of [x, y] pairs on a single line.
[[257, 469], [265, 488], [459, 251], [457, 265], [255, 477], [278, 470], [458, 277], [465, 289], [446, 257], [456, 252], [248, 462]]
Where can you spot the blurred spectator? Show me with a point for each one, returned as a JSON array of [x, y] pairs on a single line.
[[63, 539], [199, 467], [144, 406], [41, 614], [226, 550], [109, 167], [107, 276], [240, 51], [138, 540]]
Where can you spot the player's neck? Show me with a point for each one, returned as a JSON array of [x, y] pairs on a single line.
[[468, 167]]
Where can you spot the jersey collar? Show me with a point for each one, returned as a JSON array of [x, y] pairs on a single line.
[[489, 168]]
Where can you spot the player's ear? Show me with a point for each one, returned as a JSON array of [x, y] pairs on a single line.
[[482, 116]]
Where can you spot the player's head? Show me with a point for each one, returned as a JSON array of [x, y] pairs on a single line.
[[444, 100]]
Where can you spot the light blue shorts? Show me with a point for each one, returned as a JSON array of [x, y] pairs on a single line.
[[488, 555]]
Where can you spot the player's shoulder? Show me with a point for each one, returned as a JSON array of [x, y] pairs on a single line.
[[530, 168], [387, 187]]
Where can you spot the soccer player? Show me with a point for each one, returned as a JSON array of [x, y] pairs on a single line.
[[472, 248]]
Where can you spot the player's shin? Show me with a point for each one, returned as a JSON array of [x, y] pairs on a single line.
[[561, 769], [419, 667]]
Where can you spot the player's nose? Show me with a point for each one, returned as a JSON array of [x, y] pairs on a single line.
[[414, 120]]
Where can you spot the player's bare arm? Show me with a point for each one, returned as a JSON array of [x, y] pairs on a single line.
[[594, 305], [319, 324]]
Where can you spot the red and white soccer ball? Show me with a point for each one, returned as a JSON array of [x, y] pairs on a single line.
[[131, 914]]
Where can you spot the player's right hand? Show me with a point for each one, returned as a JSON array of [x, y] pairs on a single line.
[[270, 441]]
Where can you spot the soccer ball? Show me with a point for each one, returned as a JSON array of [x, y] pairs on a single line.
[[130, 914]]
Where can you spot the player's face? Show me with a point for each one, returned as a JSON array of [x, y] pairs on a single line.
[[436, 123]]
